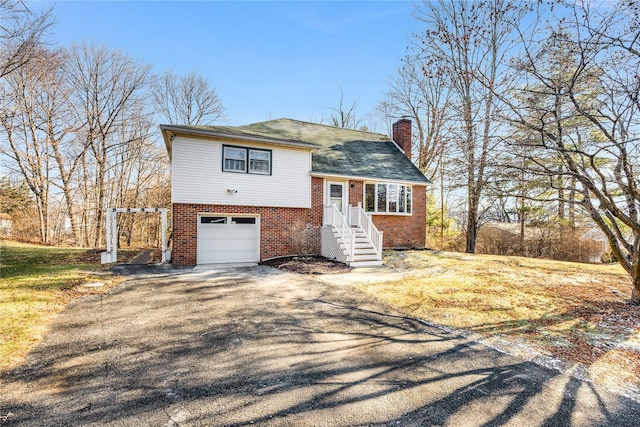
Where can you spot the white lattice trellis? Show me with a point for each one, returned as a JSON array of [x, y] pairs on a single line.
[[330, 247]]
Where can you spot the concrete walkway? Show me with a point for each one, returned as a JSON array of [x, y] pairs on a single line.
[[256, 346]]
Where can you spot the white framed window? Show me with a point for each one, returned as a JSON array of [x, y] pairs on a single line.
[[260, 162], [234, 159], [387, 198], [246, 160]]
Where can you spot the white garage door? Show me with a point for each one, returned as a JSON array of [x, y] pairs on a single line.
[[223, 238]]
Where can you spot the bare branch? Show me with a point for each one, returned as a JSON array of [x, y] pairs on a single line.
[[186, 100], [21, 33]]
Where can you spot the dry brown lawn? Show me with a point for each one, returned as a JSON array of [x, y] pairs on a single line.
[[575, 312]]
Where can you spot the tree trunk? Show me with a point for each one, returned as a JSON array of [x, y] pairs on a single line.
[[442, 205], [100, 182], [522, 229], [572, 205], [634, 272], [85, 183], [42, 219], [65, 177], [561, 212], [472, 226], [635, 291], [471, 240]]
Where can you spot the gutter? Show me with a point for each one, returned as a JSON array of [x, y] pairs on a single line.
[[365, 178], [171, 131]]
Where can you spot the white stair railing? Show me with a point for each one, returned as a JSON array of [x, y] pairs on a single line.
[[360, 218], [333, 217]]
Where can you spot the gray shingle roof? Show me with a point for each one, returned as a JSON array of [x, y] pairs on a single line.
[[229, 132], [345, 151]]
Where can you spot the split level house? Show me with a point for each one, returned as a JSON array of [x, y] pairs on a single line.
[[282, 187]]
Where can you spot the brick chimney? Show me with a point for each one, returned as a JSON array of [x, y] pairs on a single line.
[[402, 135]]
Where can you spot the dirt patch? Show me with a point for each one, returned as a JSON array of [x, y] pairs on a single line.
[[308, 265], [125, 256]]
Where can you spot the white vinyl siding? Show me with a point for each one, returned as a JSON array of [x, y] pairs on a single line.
[[197, 176]]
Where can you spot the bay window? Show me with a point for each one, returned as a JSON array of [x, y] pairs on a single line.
[[387, 198]]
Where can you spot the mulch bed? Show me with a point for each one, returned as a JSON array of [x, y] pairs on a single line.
[[308, 265]]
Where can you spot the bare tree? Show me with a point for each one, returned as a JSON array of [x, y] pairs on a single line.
[[186, 100], [425, 98], [77, 128], [57, 126], [465, 42], [38, 97], [28, 145], [107, 87], [61, 130], [21, 34], [345, 117], [600, 87]]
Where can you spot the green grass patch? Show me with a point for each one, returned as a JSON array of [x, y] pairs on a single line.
[[36, 282]]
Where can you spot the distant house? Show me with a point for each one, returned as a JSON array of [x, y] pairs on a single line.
[[597, 241], [255, 192], [6, 224]]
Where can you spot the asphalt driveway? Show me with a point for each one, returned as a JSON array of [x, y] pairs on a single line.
[[256, 346]]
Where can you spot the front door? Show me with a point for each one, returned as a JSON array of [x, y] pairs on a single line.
[[336, 195]]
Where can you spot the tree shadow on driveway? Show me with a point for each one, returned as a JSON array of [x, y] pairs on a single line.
[[258, 346]]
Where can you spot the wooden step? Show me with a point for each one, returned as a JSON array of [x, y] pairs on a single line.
[[366, 250], [365, 254], [364, 245], [366, 257]]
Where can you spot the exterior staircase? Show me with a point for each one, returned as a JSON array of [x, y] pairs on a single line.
[[365, 254], [352, 238]]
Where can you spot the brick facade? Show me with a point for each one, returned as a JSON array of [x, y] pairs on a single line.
[[317, 201], [356, 192], [406, 231], [281, 229], [399, 230]]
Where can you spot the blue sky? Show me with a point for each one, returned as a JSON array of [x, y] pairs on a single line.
[[266, 59]]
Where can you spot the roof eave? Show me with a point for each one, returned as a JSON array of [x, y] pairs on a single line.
[[320, 174], [169, 131]]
